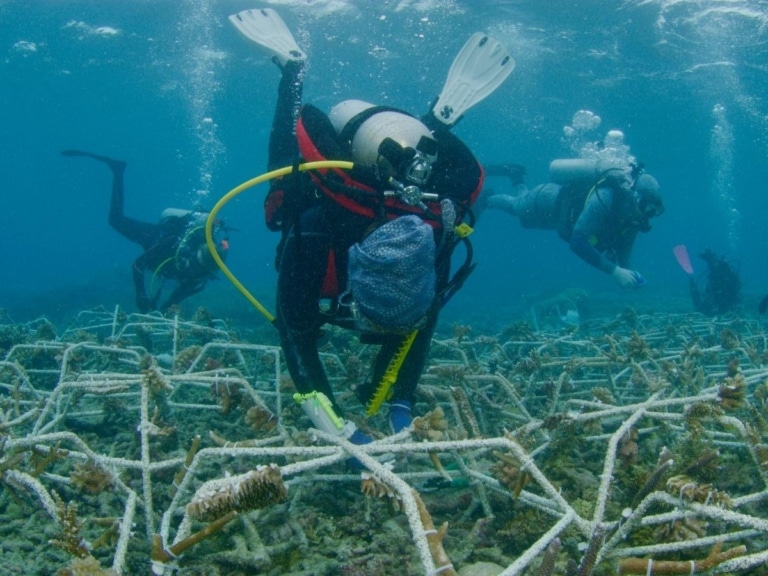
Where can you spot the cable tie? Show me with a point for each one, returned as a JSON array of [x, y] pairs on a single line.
[[649, 570]]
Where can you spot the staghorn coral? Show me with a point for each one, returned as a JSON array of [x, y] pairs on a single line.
[[257, 489], [155, 381], [87, 566], [89, 477], [697, 413], [651, 567], [70, 538], [637, 348], [373, 487], [729, 340], [507, 470], [518, 332], [42, 459], [468, 417], [433, 426], [230, 395], [186, 357], [760, 394], [603, 394], [628, 449], [654, 480], [687, 489], [460, 331], [354, 367], [681, 530], [435, 538], [260, 419], [450, 372], [732, 393]]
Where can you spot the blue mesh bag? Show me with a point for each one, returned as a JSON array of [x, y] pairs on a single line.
[[392, 273]]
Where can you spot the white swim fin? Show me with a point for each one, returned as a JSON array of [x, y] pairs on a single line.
[[478, 69], [265, 27]]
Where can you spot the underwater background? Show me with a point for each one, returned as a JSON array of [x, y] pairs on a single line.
[[171, 88], [563, 426]]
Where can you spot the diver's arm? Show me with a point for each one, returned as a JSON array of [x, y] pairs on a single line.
[[184, 290], [143, 303], [580, 244], [283, 148], [623, 250], [593, 218]]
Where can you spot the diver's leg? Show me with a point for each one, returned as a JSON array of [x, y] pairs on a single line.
[[407, 376], [111, 162], [302, 269], [134, 230], [142, 233], [536, 208]]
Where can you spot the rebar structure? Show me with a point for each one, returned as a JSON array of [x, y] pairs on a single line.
[[637, 444]]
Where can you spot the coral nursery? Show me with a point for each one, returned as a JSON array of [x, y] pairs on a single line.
[[135, 444]]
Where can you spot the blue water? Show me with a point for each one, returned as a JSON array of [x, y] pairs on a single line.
[[171, 87]]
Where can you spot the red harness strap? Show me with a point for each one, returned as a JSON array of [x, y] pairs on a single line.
[[324, 179]]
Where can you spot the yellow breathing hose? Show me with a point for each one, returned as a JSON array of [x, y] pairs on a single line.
[[242, 188]]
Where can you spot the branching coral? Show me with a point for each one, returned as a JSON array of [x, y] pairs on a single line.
[[90, 477], [70, 538], [373, 487], [257, 489], [681, 568], [558, 447]]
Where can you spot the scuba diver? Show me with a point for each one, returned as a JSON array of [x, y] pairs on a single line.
[[174, 248], [367, 249], [722, 290], [599, 212]]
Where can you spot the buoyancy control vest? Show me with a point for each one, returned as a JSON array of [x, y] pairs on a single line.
[[180, 238], [455, 175], [575, 194]]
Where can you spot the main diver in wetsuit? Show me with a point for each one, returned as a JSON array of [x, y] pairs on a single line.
[[325, 218], [174, 248]]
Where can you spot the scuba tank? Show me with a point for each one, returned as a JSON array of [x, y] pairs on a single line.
[[566, 170]]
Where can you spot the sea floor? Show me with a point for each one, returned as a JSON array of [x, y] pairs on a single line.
[[139, 444]]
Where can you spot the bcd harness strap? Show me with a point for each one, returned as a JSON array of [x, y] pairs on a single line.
[[354, 123]]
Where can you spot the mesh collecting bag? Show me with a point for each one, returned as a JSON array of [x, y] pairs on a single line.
[[392, 273]]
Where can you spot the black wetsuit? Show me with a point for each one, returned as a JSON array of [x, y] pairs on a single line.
[[320, 226], [170, 246], [722, 292], [163, 255]]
